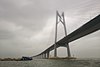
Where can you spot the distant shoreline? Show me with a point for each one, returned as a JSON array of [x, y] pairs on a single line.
[[10, 59]]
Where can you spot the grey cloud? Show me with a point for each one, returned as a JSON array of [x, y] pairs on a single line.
[[5, 34], [26, 24], [30, 16]]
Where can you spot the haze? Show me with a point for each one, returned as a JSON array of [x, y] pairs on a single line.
[[27, 27]]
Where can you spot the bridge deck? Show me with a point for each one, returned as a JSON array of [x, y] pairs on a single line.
[[90, 27]]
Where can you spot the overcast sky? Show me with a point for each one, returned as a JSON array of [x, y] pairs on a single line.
[[27, 26]]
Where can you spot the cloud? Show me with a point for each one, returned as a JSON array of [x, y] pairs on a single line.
[[27, 27]]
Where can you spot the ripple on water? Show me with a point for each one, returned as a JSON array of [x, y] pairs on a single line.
[[51, 63]]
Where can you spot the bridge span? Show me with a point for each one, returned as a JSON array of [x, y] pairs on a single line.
[[88, 28]]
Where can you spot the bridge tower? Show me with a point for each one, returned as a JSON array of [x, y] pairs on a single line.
[[60, 18]]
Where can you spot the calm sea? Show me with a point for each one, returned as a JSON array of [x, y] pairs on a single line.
[[52, 63]]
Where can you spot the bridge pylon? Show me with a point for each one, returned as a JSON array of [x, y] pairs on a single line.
[[60, 18]]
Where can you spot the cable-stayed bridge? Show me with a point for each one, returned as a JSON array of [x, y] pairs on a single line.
[[88, 28]]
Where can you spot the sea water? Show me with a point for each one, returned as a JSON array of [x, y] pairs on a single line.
[[52, 63]]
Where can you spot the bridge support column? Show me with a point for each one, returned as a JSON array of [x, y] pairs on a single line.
[[44, 55], [55, 47], [37, 57], [41, 56], [55, 51], [68, 50], [48, 55]]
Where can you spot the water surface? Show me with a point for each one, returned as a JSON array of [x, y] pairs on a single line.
[[52, 63]]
